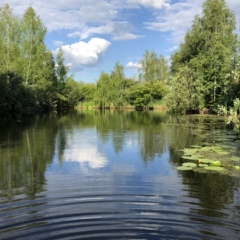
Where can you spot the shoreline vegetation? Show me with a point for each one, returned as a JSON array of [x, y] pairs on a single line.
[[202, 76]]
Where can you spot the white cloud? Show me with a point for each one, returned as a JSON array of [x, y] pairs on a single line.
[[119, 31], [88, 154], [159, 4], [173, 48], [176, 19], [58, 43], [88, 18], [85, 53], [132, 65]]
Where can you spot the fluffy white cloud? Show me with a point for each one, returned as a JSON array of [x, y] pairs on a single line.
[[85, 53], [132, 65]]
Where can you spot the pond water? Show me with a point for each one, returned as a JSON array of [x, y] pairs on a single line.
[[112, 175]]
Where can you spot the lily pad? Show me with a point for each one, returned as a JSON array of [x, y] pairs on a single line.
[[189, 151], [205, 160], [214, 168], [237, 167], [216, 163], [184, 168], [196, 146], [235, 159], [222, 152], [202, 165], [193, 157], [206, 149], [189, 164]]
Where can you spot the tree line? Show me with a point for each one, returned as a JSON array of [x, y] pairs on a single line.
[[30, 79], [204, 73]]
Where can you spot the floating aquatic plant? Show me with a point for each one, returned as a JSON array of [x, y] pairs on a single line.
[[189, 164], [210, 158], [184, 168]]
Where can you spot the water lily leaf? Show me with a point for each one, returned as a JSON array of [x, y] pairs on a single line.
[[205, 160], [216, 163], [206, 149], [189, 164], [189, 151], [195, 158], [223, 153], [184, 168], [217, 149], [202, 165], [235, 159], [214, 168], [196, 146], [198, 156]]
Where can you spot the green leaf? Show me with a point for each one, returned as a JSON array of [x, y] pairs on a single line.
[[214, 168], [184, 168], [189, 164], [195, 158], [216, 163], [205, 160]]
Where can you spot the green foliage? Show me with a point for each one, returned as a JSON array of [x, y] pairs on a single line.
[[33, 53], [9, 40], [234, 118], [14, 97], [153, 68], [186, 92], [103, 96], [145, 93], [29, 80], [233, 114], [88, 91], [210, 48], [140, 95]]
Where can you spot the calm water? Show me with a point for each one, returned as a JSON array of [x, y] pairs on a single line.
[[112, 175]]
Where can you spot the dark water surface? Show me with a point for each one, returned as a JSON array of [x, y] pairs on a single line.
[[112, 175]]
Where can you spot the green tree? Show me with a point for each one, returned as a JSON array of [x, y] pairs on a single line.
[[186, 91], [33, 50], [88, 91], [9, 40], [153, 68], [139, 95], [209, 48], [117, 88], [103, 96]]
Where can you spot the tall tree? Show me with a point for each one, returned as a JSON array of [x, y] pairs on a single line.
[[153, 68], [102, 97], [209, 48], [9, 40], [33, 50], [118, 85]]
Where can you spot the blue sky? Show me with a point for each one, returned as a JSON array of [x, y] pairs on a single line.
[[95, 34]]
